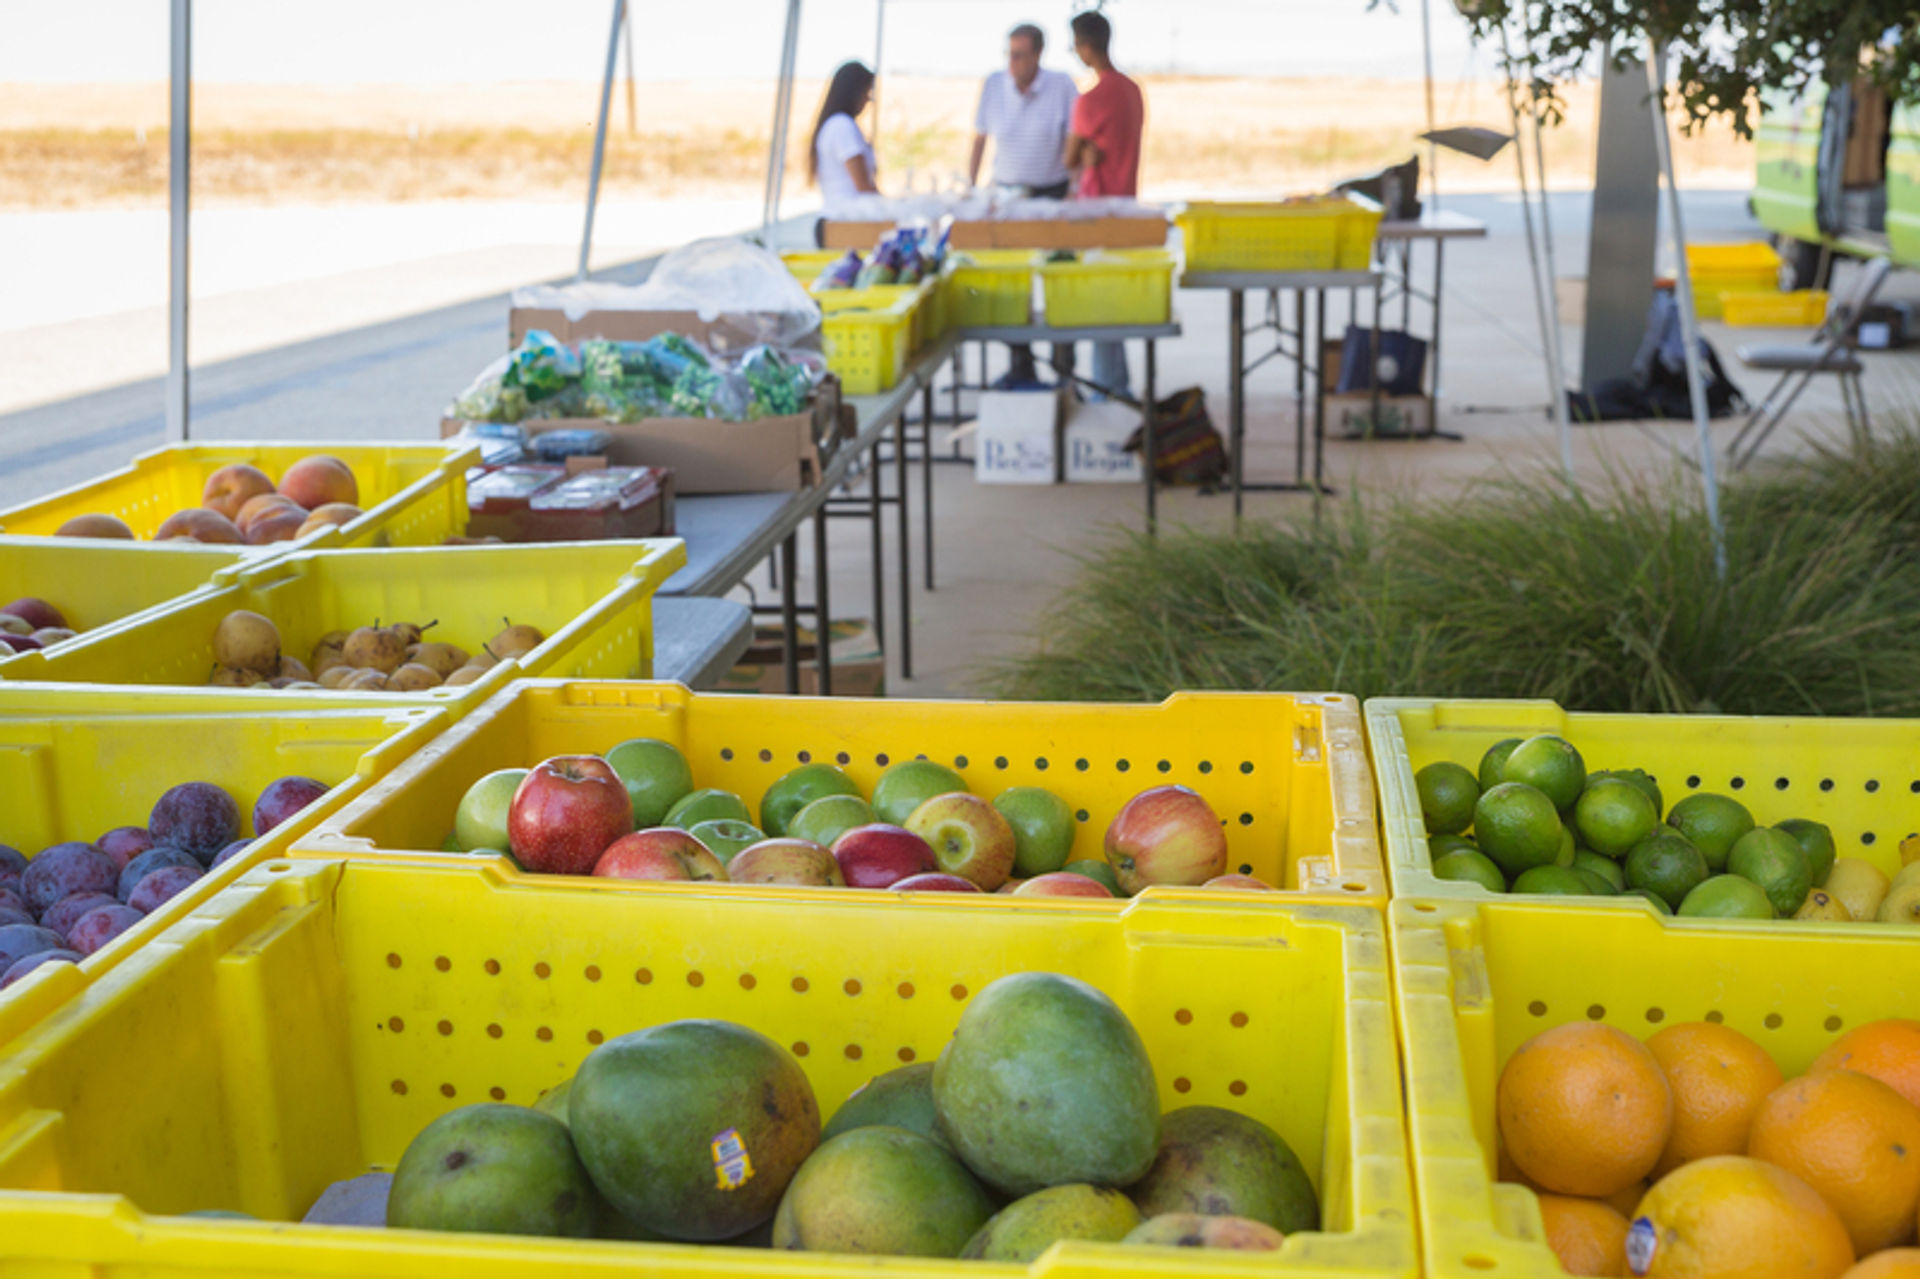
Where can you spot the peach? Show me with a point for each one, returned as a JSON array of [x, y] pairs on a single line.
[[199, 525], [231, 487], [333, 513], [95, 526], [257, 507], [275, 526], [320, 481]]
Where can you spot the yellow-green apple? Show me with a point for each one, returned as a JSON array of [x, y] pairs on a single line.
[[796, 789], [969, 837], [910, 783], [726, 838], [828, 818], [1062, 883], [709, 805], [786, 861], [655, 774], [1166, 835], [659, 852], [565, 814], [1043, 828], [879, 855]]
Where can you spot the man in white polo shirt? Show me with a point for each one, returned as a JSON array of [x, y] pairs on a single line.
[[1027, 112]]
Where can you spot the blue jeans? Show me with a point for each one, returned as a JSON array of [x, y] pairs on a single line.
[[1110, 369]]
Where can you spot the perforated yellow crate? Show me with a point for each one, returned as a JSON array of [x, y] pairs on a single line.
[[867, 335], [1285, 772], [339, 1007], [1719, 269], [1801, 308], [592, 600], [990, 288], [1111, 286], [1861, 777], [1321, 234], [1473, 981], [76, 764], [98, 584], [394, 480]]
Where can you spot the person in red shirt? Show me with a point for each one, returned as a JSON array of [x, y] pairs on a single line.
[[1103, 150]]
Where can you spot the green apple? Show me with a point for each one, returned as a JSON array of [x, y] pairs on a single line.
[[481, 819], [709, 805], [909, 784], [726, 837], [1043, 829], [655, 774], [829, 817], [796, 790], [1094, 868]]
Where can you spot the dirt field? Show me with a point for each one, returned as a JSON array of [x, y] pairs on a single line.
[[78, 146]]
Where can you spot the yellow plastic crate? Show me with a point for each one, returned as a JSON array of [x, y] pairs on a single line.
[[808, 265], [339, 1007], [1321, 234], [75, 764], [592, 600], [1718, 269], [1475, 981], [101, 584], [867, 334], [1802, 308], [990, 288], [1859, 776], [394, 479], [1286, 772], [1111, 286]]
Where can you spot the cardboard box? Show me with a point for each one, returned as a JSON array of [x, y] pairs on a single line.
[[1864, 161], [772, 455], [1096, 438], [1351, 415], [859, 667], [721, 335], [1014, 436], [1048, 233]]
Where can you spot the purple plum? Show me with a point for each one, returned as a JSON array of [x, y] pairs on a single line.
[[283, 799], [101, 925], [10, 899], [20, 940], [65, 913], [27, 963], [8, 915], [12, 861], [148, 862], [124, 843], [62, 871], [230, 852], [196, 816], [155, 889]]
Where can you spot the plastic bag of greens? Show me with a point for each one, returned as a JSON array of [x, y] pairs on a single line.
[[541, 367], [779, 385]]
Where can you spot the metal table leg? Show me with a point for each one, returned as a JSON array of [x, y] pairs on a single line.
[[906, 546], [926, 475], [1147, 428], [1320, 397], [1236, 373], [875, 525], [1433, 350], [789, 613], [822, 619], [1300, 384]]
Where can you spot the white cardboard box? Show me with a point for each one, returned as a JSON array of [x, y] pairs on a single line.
[[1351, 414], [1014, 440], [1096, 444]]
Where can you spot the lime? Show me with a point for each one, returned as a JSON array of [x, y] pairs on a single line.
[[1558, 881], [1666, 865], [1654, 899], [1816, 841], [1598, 885], [1518, 828], [1568, 847], [1439, 846], [1043, 829], [1550, 765], [1711, 823], [1728, 897], [655, 774], [1605, 867], [1612, 816], [1447, 795], [1494, 762], [1637, 778], [1472, 867], [1771, 859]]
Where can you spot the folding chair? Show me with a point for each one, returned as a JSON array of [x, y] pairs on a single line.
[[1833, 350]]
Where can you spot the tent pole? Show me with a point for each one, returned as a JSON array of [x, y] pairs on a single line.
[[633, 109], [1683, 299], [782, 117], [879, 48], [600, 134], [1433, 148], [1557, 353], [179, 156]]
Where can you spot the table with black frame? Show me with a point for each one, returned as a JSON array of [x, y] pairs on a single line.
[[1397, 240]]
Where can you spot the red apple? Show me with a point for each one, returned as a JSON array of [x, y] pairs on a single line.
[[660, 852], [798, 862], [319, 481], [1009, 888], [969, 837], [37, 613], [1166, 835], [1241, 882], [937, 882], [229, 488], [565, 814], [1062, 883], [879, 855]]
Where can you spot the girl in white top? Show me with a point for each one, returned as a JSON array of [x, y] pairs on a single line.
[[842, 162]]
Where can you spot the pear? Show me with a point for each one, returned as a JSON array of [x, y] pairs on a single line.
[[1822, 905], [514, 641], [364, 681], [234, 677], [409, 633], [464, 676], [375, 649], [412, 678], [294, 669], [442, 659], [337, 676], [484, 660], [332, 642], [247, 641]]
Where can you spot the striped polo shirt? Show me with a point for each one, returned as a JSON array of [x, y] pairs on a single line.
[[1029, 130]]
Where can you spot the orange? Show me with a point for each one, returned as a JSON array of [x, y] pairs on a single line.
[[1625, 1201], [1584, 1109], [1588, 1237], [1888, 1050], [1854, 1140], [1730, 1217], [1894, 1263], [1719, 1078]]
